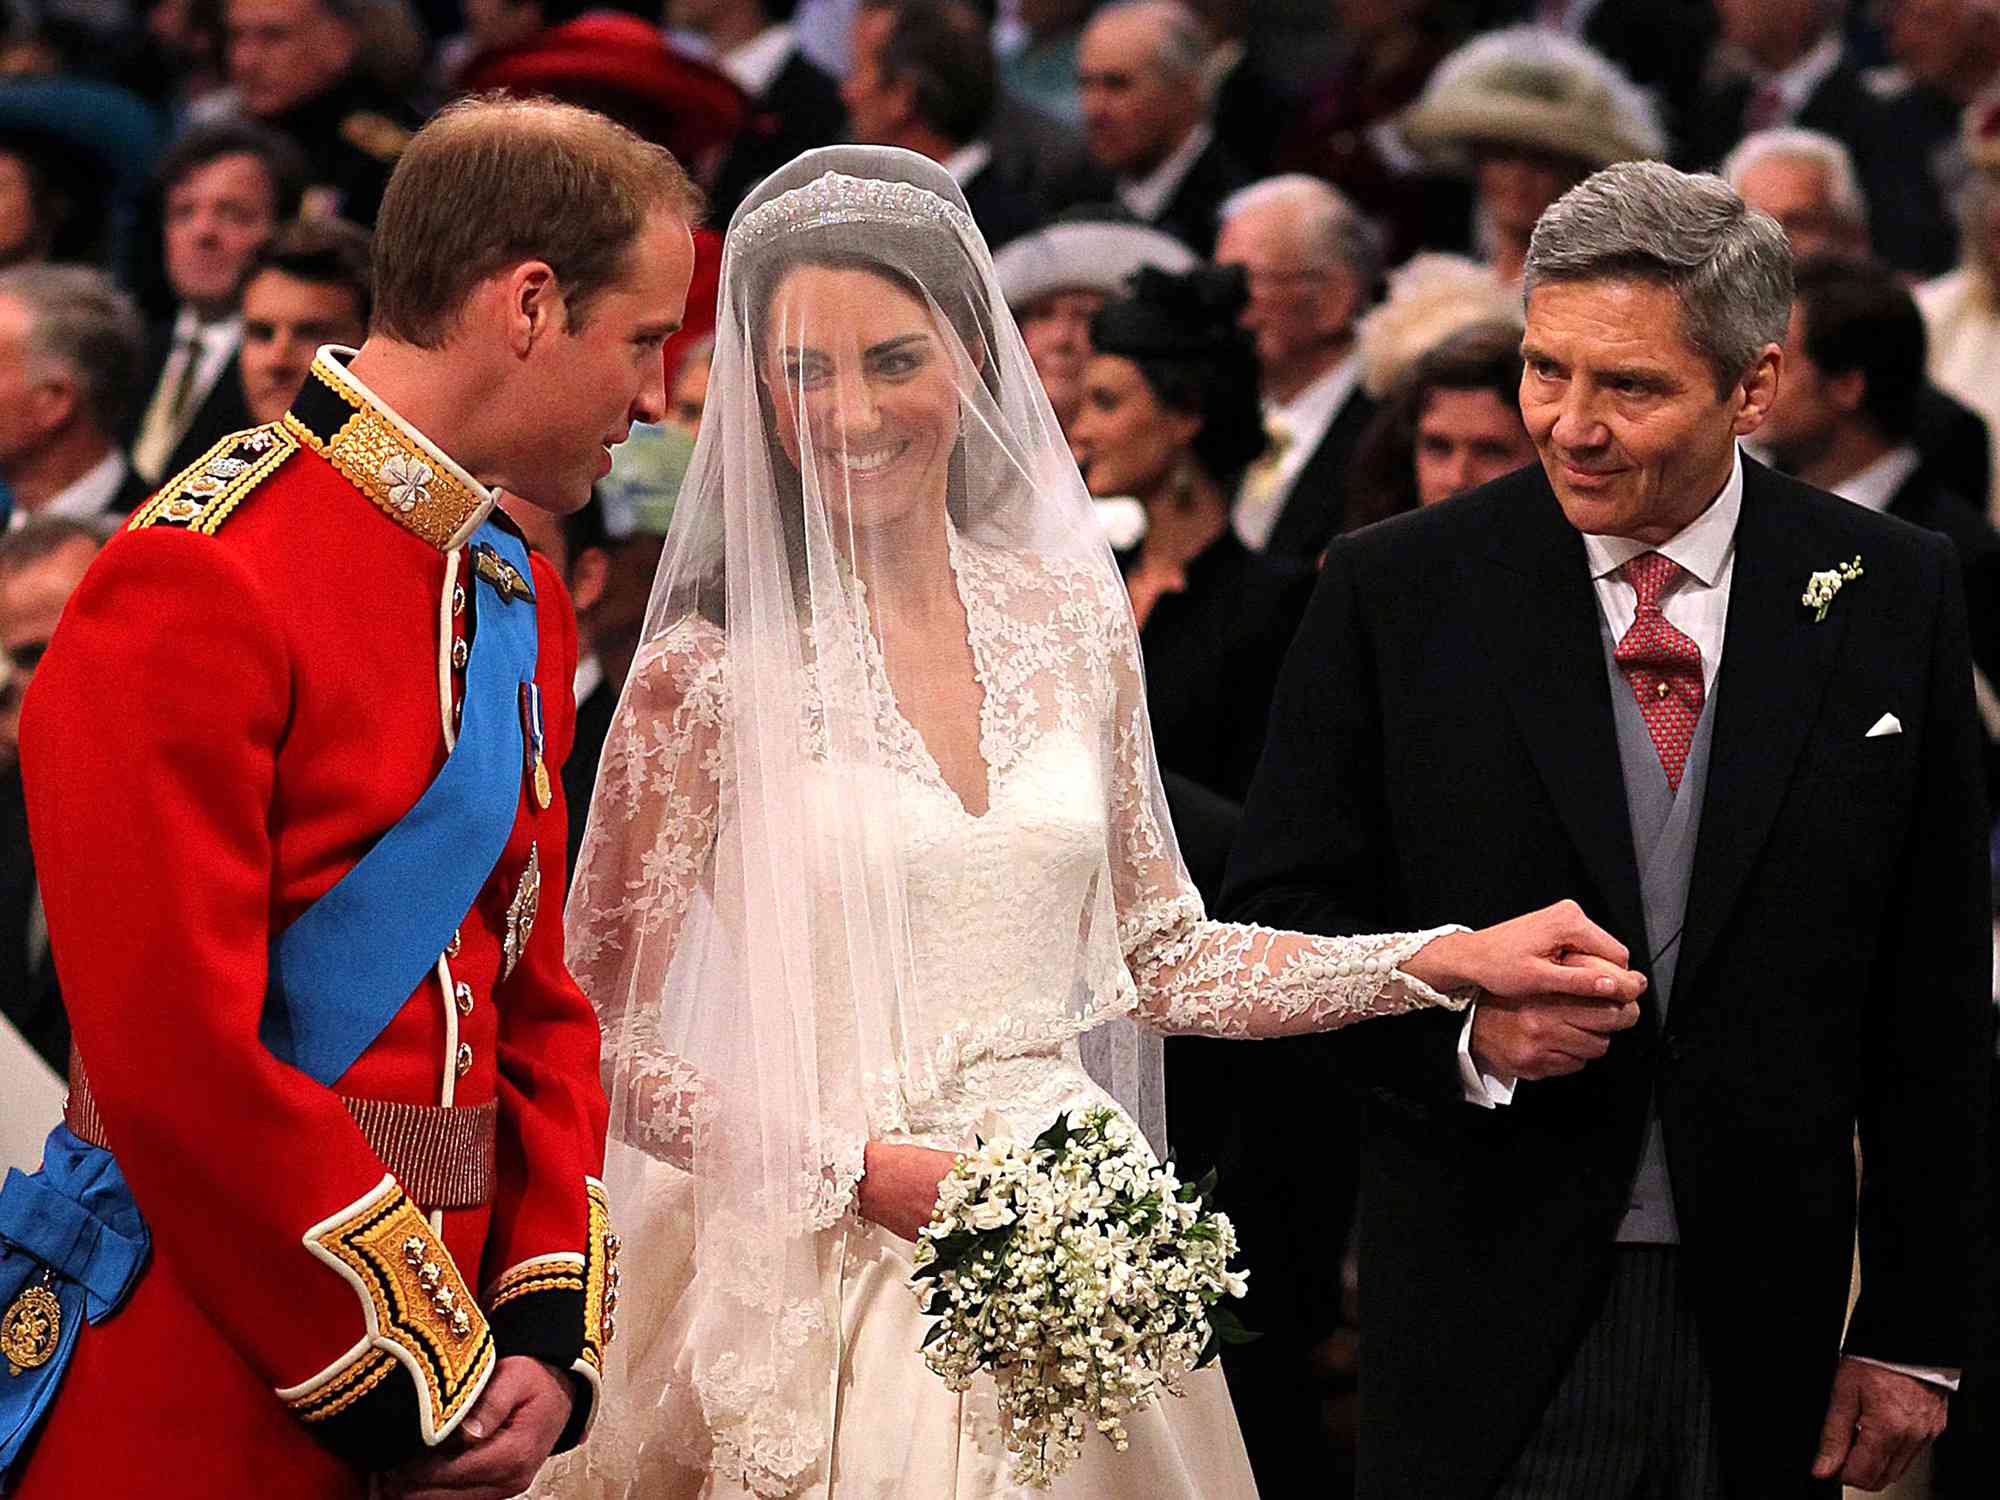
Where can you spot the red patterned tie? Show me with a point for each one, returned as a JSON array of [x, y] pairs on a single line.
[[1662, 664]]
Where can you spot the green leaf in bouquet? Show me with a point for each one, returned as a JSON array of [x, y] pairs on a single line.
[[936, 1333], [1229, 1328], [951, 1253], [1056, 1137]]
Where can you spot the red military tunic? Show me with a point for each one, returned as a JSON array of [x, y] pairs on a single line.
[[253, 683]]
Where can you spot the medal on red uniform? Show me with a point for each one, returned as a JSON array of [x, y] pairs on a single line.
[[531, 724]]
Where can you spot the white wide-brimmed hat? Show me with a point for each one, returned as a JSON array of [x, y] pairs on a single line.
[[1084, 255], [1526, 89]]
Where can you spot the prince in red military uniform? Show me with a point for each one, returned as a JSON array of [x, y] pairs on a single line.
[[408, 1269]]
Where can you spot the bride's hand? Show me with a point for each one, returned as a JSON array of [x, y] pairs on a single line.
[[899, 1186], [1554, 952]]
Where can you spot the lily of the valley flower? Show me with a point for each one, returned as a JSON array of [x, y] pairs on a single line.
[[1821, 587]]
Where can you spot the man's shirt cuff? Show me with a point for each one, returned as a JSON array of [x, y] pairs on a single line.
[[1482, 1089], [1939, 1375]]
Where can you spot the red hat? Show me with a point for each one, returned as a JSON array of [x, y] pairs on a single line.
[[623, 67]]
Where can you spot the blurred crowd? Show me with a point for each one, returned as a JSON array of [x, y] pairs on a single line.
[[1265, 258]]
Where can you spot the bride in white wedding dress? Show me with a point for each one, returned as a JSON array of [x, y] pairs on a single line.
[[879, 863]]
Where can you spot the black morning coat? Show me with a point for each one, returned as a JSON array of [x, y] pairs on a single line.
[[1442, 750]]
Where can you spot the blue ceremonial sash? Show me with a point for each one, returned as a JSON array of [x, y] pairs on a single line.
[[339, 974], [331, 996]]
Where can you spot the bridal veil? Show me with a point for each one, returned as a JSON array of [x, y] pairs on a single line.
[[742, 915]]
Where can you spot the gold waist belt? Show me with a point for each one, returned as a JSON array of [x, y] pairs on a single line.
[[442, 1155]]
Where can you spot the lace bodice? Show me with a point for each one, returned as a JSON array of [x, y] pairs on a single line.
[[1070, 851]]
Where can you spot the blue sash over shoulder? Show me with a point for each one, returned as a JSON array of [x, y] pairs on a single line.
[[72, 1239]]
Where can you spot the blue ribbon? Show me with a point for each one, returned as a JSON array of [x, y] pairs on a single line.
[[339, 975], [331, 996]]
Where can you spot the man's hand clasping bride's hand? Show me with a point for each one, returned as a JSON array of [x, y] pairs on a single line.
[[1556, 989]]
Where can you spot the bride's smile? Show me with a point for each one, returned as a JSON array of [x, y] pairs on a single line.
[[864, 390]]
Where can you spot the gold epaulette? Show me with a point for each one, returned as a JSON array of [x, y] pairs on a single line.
[[202, 495], [374, 135]]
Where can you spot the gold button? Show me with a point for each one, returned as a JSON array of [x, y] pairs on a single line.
[[459, 652], [463, 995], [457, 600], [1663, 688], [464, 1058], [451, 948]]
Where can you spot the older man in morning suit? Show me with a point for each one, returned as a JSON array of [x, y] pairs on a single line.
[[1733, 714]]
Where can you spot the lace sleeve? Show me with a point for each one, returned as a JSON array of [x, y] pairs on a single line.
[[1224, 979], [646, 853]]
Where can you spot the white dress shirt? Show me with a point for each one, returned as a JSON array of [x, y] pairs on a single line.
[[756, 64], [85, 498], [1796, 84], [1876, 485], [214, 344], [1697, 605], [1149, 196], [967, 162], [1305, 419]]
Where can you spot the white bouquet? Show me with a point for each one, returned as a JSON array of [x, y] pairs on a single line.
[[1082, 1275]]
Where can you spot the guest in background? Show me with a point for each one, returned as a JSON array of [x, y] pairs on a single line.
[[1384, 54], [794, 104], [36, 203], [1806, 181], [69, 361], [299, 66], [1845, 421], [309, 286], [687, 392], [1962, 308], [40, 566], [1038, 55], [1170, 418], [1310, 261], [1452, 425], [1527, 114], [922, 77], [1145, 117], [1947, 53], [1430, 297], [224, 188], [1785, 62], [611, 552], [1661, 45], [1057, 278]]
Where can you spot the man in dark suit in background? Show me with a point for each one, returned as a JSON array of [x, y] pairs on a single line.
[[921, 76], [40, 567], [1311, 261], [69, 359], [794, 106], [1784, 63], [1141, 77], [224, 188], [1652, 677], [1846, 420]]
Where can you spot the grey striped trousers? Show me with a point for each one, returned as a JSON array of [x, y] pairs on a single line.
[[1634, 1418]]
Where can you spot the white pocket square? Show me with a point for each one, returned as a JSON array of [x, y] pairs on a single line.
[[1887, 724]]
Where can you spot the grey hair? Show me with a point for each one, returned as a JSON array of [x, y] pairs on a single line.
[[42, 537], [79, 321], [1334, 231], [1180, 41], [1813, 147], [1729, 266]]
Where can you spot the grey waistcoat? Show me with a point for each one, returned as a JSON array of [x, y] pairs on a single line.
[[1664, 826]]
